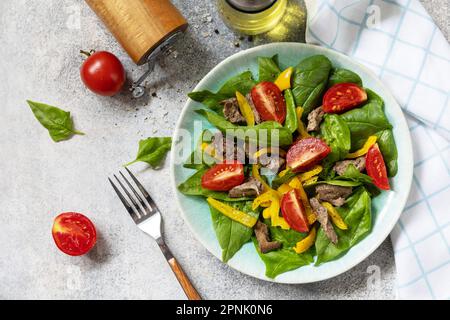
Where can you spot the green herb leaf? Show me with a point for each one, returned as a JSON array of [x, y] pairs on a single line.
[[309, 81], [58, 122], [340, 75], [152, 150], [231, 234], [268, 68], [353, 174], [357, 215], [291, 122], [278, 181]]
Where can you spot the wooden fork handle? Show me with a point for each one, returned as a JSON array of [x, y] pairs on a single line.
[[184, 281], [182, 278]]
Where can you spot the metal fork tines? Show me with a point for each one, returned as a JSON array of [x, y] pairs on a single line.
[[146, 215]]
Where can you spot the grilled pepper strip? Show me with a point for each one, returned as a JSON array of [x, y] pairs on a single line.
[[232, 213], [365, 148], [257, 176], [301, 127], [297, 184], [245, 108], [311, 173], [335, 216], [307, 242], [283, 81]]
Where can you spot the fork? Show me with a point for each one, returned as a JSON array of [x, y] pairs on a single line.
[[148, 218]]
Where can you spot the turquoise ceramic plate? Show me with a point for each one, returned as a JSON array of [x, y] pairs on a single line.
[[386, 209]]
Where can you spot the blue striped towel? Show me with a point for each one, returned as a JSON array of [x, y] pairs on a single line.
[[399, 41]]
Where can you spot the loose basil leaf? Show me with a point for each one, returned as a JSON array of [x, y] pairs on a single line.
[[309, 81], [291, 122], [152, 151], [284, 259], [193, 187], [356, 213], [243, 83], [341, 75], [231, 234], [58, 122], [261, 133], [268, 68]]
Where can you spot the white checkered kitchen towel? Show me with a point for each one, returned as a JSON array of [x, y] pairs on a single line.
[[400, 42]]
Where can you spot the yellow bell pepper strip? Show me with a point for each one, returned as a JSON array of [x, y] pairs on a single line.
[[311, 173], [283, 81], [257, 176], [311, 181], [297, 184], [307, 242], [264, 151], [273, 210], [365, 148], [335, 216], [245, 108], [282, 173], [284, 188], [232, 213], [208, 148], [301, 127]]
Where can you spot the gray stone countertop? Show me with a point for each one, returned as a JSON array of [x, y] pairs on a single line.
[[39, 60]]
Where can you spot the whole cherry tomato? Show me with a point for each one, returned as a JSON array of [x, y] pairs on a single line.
[[103, 73]]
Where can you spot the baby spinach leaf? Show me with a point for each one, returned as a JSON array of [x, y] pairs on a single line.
[[386, 142], [243, 83], [152, 150], [193, 187], [262, 133], [336, 134], [341, 75], [268, 68], [291, 122], [353, 174], [309, 81], [199, 159], [58, 122], [357, 215], [231, 234], [365, 121], [284, 259]]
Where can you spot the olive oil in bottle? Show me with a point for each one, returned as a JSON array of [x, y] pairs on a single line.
[[252, 16]]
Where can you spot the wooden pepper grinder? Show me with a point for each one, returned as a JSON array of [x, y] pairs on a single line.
[[144, 28]]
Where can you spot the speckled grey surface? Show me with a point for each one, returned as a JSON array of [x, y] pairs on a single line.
[[39, 60]]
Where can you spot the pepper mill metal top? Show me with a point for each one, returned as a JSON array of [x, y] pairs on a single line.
[[251, 6]]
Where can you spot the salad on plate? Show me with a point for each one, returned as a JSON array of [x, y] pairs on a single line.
[[293, 163]]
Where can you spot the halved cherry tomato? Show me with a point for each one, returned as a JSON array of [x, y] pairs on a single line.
[[375, 167], [305, 153], [294, 212], [74, 233], [342, 97], [223, 176], [269, 102]]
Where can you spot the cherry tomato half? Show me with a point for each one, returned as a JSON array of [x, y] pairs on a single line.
[[269, 102], [294, 212], [342, 97], [223, 177], [74, 233], [375, 167], [103, 73], [305, 153]]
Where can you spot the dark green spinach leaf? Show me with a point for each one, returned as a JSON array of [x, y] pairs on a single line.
[[291, 122], [231, 234], [309, 81], [58, 122], [386, 142], [357, 215], [268, 68], [341, 75]]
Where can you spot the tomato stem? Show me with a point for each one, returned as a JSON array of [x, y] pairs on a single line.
[[87, 53]]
